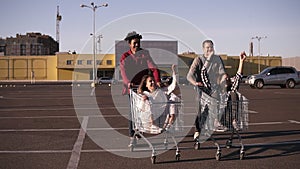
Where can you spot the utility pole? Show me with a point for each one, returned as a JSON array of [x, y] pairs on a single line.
[[259, 54], [99, 42], [94, 7], [58, 19]]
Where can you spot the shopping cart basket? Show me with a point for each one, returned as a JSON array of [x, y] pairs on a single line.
[[232, 113], [151, 116]]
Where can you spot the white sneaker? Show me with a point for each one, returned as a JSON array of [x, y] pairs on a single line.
[[220, 128], [235, 125], [132, 142], [155, 129], [217, 123], [196, 135]]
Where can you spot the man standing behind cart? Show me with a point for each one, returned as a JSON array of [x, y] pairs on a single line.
[[211, 83], [134, 64]]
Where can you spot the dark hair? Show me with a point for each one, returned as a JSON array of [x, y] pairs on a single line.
[[207, 41], [142, 87], [167, 82], [132, 35], [228, 82]]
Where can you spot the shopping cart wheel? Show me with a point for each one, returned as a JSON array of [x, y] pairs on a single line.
[[166, 143], [131, 148], [228, 144], [197, 145], [218, 156], [242, 155], [177, 157], [153, 159]]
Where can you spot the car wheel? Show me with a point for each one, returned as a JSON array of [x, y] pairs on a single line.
[[259, 84], [290, 84]]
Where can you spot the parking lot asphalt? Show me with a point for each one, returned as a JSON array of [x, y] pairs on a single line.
[[65, 126]]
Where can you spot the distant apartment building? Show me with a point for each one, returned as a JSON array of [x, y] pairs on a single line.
[[2, 46], [31, 44]]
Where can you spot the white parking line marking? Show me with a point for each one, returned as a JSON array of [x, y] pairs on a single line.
[[266, 123], [294, 121], [66, 108], [144, 149], [75, 156], [37, 130], [289, 93], [90, 116], [50, 117], [125, 128], [252, 112], [35, 151]]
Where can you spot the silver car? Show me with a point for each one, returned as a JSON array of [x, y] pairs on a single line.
[[106, 80], [283, 76]]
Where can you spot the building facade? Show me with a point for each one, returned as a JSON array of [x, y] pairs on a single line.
[[2, 46], [66, 66], [252, 64], [31, 44], [80, 66], [28, 67], [71, 66]]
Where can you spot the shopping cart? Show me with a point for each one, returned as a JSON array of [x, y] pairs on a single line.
[[151, 116], [231, 111]]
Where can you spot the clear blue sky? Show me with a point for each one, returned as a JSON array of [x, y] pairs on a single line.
[[230, 24]]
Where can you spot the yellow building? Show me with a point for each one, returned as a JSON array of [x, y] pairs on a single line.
[[28, 67], [252, 65], [65, 66], [80, 66]]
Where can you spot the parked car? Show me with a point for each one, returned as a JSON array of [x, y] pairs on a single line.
[[283, 76], [105, 80]]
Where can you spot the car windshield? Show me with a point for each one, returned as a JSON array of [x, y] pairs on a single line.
[[265, 71], [105, 78]]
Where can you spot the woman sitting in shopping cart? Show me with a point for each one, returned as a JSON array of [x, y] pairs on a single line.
[[169, 93]]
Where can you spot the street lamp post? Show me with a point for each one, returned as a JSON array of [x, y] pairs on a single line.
[[99, 42], [94, 8], [259, 54]]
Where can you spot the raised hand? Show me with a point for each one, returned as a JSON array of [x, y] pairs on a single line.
[[173, 68], [243, 56]]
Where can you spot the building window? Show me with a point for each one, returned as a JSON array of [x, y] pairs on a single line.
[[39, 50], [69, 62], [2, 48], [109, 62], [99, 62], [23, 49], [79, 62], [33, 49], [89, 62]]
